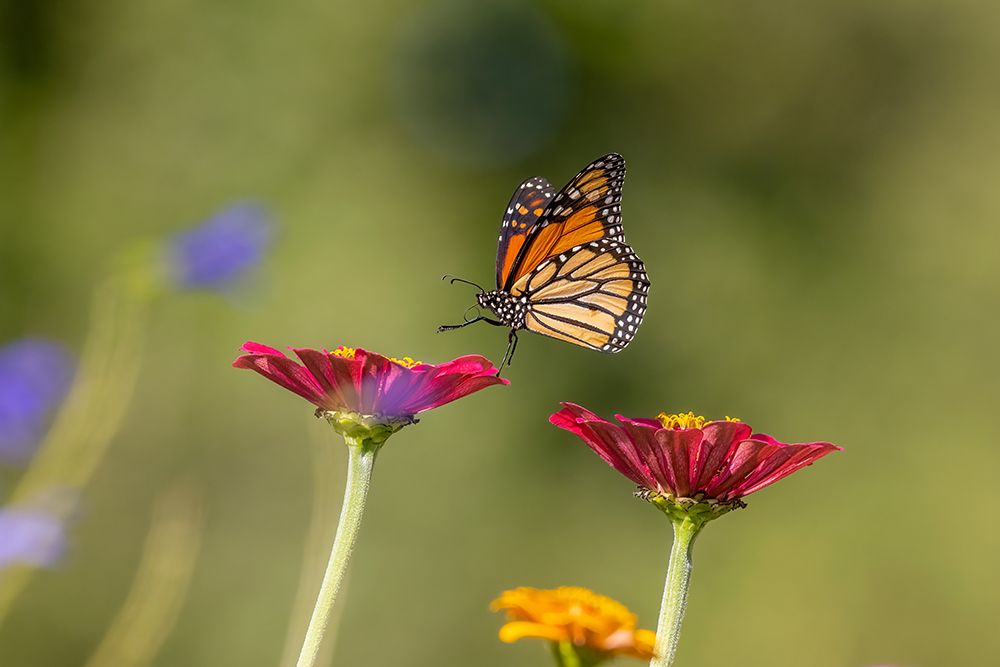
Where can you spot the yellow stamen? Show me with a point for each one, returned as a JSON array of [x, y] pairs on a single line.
[[682, 420], [345, 352], [686, 420], [349, 352]]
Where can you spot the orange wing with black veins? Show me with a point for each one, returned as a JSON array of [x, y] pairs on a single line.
[[587, 209], [526, 206]]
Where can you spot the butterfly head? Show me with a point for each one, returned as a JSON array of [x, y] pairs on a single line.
[[508, 310], [488, 300], [500, 302]]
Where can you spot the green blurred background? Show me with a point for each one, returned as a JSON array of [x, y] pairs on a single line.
[[812, 186]]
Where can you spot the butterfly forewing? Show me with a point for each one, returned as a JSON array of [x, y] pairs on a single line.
[[523, 212], [587, 209], [592, 295]]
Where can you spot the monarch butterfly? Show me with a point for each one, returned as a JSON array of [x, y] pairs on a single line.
[[563, 267]]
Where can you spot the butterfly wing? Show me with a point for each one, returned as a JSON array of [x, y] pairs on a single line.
[[587, 209], [593, 295], [523, 212]]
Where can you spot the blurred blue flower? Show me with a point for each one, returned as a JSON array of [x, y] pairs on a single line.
[[35, 375], [222, 249], [30, 536]]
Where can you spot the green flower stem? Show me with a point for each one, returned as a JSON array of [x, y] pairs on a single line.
[[675, 590], [567, 655], [326, 465], [359, 475]]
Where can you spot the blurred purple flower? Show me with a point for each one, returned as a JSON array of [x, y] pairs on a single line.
[[30, 536], [35, 375], [221, 249]]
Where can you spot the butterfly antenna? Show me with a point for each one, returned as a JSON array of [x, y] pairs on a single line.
[[453, 279]]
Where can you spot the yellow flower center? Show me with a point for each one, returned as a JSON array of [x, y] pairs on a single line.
[[682, 420], [685, 420], [349, 352]]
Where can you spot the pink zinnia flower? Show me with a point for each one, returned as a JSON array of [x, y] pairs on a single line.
[[367, 383], [686, 457], [365, 397]]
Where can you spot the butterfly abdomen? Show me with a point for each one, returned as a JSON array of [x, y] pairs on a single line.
[[508, 309]]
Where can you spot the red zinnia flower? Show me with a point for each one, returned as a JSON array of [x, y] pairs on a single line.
[[367, 383], [694, 471], [365, 397], [686, 457]]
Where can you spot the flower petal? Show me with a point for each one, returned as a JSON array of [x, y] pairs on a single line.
[[220, 250], [470, 364], [433, 386], [746, 458], [640, 421], [444, 393], [259, 348], [721, 438], [30, 536], [376, 374], [643, 434], [511, 632], [283, 371], [805, 454], [679, 450], [35, 376], [406, 392], [645, 640], [607, 440], [338, 394]]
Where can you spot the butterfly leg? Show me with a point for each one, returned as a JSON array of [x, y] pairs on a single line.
[[508, 356], [452, 327], [512, 345]]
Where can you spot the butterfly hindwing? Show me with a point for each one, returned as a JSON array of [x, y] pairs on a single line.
[[526, 206], [593, 295], [587, 209]]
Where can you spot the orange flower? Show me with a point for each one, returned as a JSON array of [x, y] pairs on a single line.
[[574, 617]]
